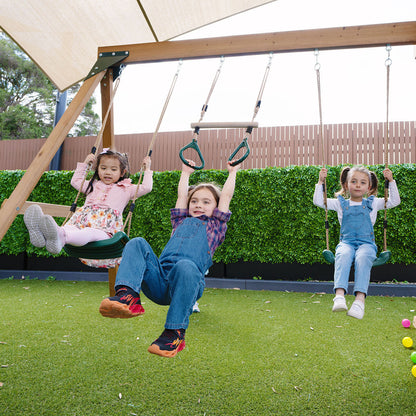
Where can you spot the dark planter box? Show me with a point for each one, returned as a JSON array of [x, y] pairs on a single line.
[[317, 271], [239, 270]]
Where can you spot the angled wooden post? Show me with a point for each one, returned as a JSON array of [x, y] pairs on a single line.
[[106, 95], [108, 141], [41, 161]]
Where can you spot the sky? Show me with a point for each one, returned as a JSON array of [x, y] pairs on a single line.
[[353, 81]]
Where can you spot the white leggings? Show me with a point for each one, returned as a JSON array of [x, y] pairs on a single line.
[[80, 237]]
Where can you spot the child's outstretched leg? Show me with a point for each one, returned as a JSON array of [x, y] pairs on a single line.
[[139, 265], [32, 219], [186, 286], [81, 236], [54, 235]]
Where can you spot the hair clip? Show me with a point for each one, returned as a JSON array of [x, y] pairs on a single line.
[[105, 150]]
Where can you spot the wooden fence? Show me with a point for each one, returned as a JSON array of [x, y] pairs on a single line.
[[359, 143]]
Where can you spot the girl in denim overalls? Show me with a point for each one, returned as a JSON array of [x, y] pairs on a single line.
[[357, 216], [176, 278]]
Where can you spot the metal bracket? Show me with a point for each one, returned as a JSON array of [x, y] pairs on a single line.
[[107, 60]]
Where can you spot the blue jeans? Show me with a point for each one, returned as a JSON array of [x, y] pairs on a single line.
[[363, 256], [178, 284]]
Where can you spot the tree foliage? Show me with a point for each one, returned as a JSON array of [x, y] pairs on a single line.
[[27, 99]]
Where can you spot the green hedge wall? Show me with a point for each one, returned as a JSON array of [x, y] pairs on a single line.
[[273, 221]]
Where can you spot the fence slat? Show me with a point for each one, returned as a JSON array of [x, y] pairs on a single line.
[[357, 143]]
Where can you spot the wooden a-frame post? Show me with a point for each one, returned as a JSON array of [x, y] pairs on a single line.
[[40, 163]]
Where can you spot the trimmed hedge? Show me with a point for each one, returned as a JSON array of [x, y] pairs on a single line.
[[273, 221]]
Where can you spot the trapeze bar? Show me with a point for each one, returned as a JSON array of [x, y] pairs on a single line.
[[225, 125]]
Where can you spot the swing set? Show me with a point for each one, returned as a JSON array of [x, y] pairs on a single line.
[[111, 58]]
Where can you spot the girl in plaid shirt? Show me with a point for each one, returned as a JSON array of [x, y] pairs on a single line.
[[176, 278]]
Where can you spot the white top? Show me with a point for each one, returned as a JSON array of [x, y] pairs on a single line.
[[378, 203]]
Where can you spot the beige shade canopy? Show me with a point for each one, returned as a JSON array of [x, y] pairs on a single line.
[[62, 37]]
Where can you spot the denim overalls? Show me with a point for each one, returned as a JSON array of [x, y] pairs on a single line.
[[177, 277], [356, 244]]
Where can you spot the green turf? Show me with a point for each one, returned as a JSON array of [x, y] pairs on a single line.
[[247, 353]]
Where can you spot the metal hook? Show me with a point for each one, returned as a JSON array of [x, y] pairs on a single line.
[[317, 64], [179, 66], [388, 61], [270, 59]]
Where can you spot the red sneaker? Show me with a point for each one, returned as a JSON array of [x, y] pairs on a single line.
[[125, 304], [169, 343]]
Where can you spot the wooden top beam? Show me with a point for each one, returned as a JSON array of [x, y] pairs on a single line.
[[403, 33]]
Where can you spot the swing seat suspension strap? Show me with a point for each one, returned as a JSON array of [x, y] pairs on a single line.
[[193, 145], [249, 130]]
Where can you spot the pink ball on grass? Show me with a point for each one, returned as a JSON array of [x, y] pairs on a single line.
[[406, 323]]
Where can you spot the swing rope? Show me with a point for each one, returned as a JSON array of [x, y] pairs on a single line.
[[249, 129], [150, 149], [113, 247], [262, 86], [388, 63], [94, 150], [321, 134], [214, 82], [194, 143]]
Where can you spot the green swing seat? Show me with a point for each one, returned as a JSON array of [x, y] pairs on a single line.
[[383, 258], [103, 249]]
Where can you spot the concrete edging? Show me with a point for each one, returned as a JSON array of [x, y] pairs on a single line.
[[375, 289]]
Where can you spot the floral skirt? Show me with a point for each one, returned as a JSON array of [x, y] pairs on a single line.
[[106, 219]]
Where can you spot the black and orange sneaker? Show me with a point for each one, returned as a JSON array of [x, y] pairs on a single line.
[[125, 304], [169, 343]]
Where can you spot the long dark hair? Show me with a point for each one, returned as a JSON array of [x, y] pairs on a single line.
[[124, 167]]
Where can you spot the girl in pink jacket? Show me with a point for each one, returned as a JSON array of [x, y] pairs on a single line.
[[107, 194]]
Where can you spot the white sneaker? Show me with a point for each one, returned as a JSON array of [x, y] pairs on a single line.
[[339, 304], [32, 218], [356, 310], [51, 231], [195, 308]]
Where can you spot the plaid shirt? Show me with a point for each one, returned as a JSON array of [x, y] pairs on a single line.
[[216, 225]]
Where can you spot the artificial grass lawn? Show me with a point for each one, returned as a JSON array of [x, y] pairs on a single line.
[[247, 353]]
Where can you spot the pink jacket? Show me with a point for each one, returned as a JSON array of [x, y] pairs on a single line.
[[116, 195]]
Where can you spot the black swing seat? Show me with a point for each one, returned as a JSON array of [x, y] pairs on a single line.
[[97, 250], [383, 258]]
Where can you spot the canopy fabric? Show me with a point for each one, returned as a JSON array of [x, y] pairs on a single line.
[[62, 37]]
